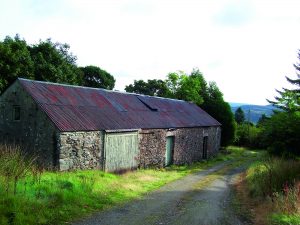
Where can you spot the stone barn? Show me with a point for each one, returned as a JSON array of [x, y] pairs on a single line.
[[71, 127]]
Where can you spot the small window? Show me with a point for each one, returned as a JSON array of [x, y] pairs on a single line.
[[17, 113]]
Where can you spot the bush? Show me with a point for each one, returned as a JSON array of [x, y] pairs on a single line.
[[248, 135]]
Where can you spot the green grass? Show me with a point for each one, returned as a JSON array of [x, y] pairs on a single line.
[[270, 176], [58, 197], [275, 183], [284, 219]]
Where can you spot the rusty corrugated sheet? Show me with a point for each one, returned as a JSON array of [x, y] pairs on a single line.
[[73, 108]]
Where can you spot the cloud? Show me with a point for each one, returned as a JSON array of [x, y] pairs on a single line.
[[235, 13], [246, 46], [140, 8]]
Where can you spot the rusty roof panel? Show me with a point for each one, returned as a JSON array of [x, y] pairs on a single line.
[[74, 108]]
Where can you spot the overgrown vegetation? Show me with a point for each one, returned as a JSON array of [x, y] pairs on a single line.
[[272, 190], [30, 195]]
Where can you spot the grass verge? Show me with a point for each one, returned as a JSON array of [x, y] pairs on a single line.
[[269, 192], [40, 197]]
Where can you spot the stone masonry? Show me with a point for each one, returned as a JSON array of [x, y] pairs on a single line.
[[188, 145], [80, 150], [38, 135]]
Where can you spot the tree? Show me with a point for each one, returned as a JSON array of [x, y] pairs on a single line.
[[289, 99], [262, 120], [46, 61], [215, 105], [151, 87], [15, 61], [53, 62], [193, 88], [248, 135], [186, 87], [281, 131], [93, 76], [239, 116]]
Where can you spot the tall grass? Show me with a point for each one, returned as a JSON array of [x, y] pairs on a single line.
[[272, 176], [14, 166], [278, 180], [30, 195]]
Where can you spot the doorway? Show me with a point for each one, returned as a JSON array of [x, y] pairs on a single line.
[[204, 154], [169, 151]]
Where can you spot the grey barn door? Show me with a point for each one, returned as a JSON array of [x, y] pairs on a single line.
[[121, 151]]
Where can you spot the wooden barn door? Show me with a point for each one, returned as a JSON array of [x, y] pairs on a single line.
[[169, 151], [121, 151]]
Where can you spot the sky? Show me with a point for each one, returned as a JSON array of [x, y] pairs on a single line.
[[246, 46]]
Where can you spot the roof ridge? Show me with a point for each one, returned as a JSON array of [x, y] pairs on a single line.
[[102, 89]]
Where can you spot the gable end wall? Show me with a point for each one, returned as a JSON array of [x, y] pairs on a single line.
[[35, 133]]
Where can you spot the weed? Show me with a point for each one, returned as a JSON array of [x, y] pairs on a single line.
[[13, 166], [272, 175], [273, 185], [288, 201]]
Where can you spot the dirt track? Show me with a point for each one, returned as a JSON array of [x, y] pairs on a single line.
[[178, 203]]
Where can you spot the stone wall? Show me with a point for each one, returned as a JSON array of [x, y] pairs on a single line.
[[80, 150], [188, 145], [214, 140], [152, 145], [34, 132]]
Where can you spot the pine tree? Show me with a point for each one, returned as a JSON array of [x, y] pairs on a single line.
[[289, 99], [239, 116]]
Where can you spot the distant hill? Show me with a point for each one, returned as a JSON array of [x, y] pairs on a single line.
[[253, 112], [234, 104]]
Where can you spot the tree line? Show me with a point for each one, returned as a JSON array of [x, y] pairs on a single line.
[[47, 61], [279, 133], [194, 88]]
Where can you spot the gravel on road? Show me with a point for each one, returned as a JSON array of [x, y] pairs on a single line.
[[178, 203]]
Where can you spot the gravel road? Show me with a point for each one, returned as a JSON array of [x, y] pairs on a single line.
[[177, 203]]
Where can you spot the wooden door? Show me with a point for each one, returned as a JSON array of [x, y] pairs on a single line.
[[169, 151], [121, 151]]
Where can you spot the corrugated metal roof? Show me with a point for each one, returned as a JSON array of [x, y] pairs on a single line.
[[74, 108]]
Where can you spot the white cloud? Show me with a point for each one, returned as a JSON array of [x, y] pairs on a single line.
[[245, 46]]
